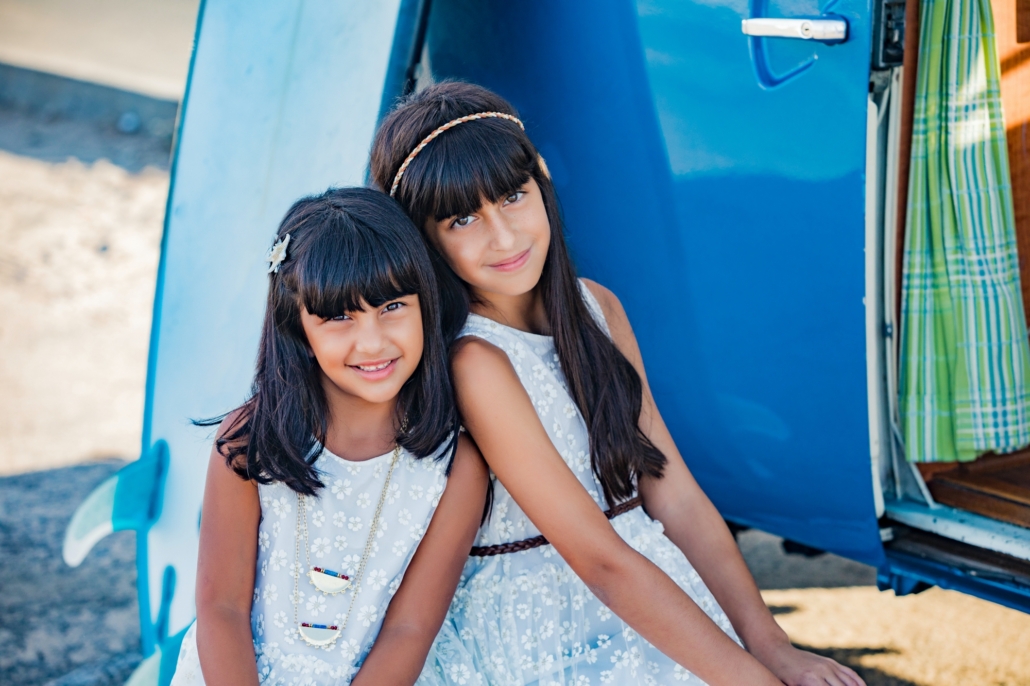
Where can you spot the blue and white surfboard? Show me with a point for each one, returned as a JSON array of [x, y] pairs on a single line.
[[282, 101]]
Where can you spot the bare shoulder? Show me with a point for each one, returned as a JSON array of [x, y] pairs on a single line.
[[614, 313], [468, 461], [602, 293], [234, 421], [490, 395], [473, 356], [231, 436]]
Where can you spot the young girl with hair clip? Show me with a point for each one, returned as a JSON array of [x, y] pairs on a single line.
[[341, 501], [551, 385]]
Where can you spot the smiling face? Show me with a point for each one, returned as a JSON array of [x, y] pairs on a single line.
[[500, 249], [367, 354]]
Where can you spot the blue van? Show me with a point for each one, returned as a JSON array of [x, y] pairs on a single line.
[[729, 168]]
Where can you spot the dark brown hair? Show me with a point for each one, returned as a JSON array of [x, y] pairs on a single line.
[[489, 159], [347, 245]]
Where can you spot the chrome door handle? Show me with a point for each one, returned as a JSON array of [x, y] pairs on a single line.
[[827, 30]]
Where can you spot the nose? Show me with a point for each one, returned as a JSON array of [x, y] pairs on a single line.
[[371, 338], [502, 232]]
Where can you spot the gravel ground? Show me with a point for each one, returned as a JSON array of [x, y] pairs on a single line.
[[80, 244], [60, 625]]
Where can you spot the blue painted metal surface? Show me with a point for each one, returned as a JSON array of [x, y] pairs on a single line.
[[906, 574], [729, 217]]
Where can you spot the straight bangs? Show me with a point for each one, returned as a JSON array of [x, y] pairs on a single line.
[[347, 270], [479, 161]]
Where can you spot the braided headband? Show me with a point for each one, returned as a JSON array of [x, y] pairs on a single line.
[[449, 125]]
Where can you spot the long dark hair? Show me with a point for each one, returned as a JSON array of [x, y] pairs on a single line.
[[346, 245], [491, 158]]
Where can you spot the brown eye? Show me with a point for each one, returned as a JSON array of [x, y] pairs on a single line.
[[514, 197], [462, 221]]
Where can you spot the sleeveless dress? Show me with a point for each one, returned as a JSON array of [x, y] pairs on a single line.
[[525, 617], [338, 522]]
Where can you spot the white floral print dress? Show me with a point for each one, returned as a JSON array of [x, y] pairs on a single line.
[[526, 618], [338, 528]]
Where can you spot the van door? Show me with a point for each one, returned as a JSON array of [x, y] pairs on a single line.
[[716, 183]]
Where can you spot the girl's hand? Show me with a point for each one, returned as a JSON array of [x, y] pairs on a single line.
[[796, 667]]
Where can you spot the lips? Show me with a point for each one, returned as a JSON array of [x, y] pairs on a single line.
[[513, 263], [375, 370]]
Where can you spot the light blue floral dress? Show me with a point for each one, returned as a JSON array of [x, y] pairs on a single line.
[[526, 618], [338, 522]]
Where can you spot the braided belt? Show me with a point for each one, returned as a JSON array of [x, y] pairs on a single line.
[[537, 541]]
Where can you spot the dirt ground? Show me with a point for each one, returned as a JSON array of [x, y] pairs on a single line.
[[938, 637], [79, 246]]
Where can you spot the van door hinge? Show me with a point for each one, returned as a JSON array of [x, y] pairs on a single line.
[[889, 34]]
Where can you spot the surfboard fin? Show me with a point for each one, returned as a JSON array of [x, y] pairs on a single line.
[[129, 500]]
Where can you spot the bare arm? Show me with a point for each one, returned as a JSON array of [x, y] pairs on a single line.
[[420, 605], [225, 574], [496, 408], [696, 527]]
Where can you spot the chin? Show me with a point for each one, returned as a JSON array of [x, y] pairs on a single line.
[[372, 393], [516, 285], [380, 395]]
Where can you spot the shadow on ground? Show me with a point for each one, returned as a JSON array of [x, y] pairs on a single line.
[[52, 118], [773, 569], [851, 656], [61, 626], [57, 139]]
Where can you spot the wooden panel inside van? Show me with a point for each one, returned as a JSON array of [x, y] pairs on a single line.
[[1012, 31]]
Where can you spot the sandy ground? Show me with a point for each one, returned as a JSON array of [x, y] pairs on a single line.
[[936, 638], [138, 45], [939, 638], [80, 245]]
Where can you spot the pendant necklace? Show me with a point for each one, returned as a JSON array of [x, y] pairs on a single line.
[[326, 580]]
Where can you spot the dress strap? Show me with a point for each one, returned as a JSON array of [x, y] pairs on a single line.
[[594, 307]]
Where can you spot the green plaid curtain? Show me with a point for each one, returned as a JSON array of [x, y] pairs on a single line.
[[964, 353]]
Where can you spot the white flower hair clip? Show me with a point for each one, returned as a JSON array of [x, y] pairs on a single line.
[[277, 255]]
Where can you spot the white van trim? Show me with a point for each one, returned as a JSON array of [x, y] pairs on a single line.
[[963, 526]]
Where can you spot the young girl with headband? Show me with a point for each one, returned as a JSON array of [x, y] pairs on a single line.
[[602, 560], [329, 518]]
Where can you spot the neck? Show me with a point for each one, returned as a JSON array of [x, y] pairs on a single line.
[[358, 430], [524, 312]]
